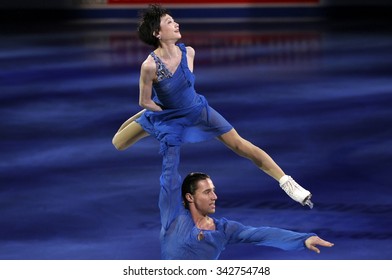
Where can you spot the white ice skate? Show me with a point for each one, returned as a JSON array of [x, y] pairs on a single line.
[[295, 191]]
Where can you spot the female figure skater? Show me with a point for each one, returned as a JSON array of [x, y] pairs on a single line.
[[174, 113]]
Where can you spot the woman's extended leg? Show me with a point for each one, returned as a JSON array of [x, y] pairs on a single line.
[[246, 149], [129, 133]]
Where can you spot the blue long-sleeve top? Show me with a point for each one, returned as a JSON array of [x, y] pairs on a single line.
[[180, 238]]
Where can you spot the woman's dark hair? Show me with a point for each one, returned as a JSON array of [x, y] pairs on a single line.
[[189, 185], [149, 23]]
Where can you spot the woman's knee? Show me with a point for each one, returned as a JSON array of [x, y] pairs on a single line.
[[128, 136], [117, 143]]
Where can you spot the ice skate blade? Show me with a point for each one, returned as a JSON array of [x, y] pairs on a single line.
[[309, 203]]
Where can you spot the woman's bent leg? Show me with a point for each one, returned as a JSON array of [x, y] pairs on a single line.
[[129, 133], [131, 119]]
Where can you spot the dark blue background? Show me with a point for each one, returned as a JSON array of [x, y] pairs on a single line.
[[317, 99]]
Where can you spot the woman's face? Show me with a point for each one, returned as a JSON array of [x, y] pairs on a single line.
[[169, 29]]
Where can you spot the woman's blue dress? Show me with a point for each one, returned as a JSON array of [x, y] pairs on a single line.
[[187, 117]]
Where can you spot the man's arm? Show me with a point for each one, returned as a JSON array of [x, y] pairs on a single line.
[[170, 181], [312, 242], [266, 236]]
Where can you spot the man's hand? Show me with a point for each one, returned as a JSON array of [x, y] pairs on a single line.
[[314, 241]]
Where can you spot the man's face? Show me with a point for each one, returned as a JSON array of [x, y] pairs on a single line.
[[205, 197]]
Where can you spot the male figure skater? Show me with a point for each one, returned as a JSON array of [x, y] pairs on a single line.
[[188, 232]]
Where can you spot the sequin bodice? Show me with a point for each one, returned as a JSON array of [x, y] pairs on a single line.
[[162, 71]]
